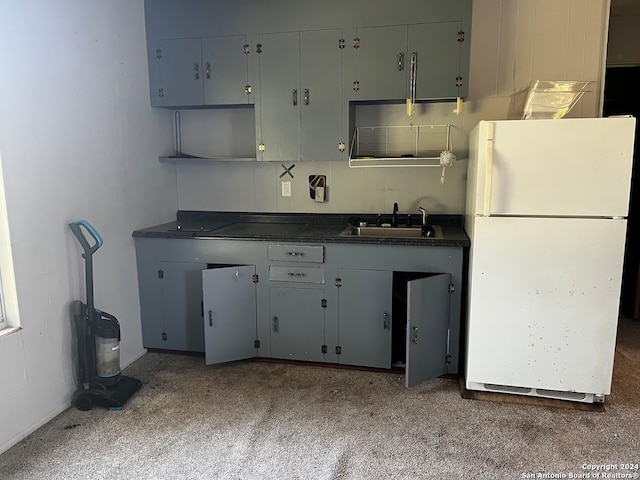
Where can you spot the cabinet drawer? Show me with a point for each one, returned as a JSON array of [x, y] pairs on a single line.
[[296, 253], [297, 274]]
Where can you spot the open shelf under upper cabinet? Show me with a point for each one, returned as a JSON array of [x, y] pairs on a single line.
[[399, 146]]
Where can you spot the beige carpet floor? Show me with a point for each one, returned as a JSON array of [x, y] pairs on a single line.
[[257, 420]]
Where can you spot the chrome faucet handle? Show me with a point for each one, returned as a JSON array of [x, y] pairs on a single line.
[[394, 216], [425, 215]]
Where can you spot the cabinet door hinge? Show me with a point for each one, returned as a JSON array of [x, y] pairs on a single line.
[[256, 344], [447, 359], [247, 89], [338, 282], [255, 278], [342, 147], [323, 303], [324, 349], [160, 274], [338, 350], [356, 43], [356, 85], [259, 48], [246, 48], [161, 92], [261, 147], [452, 288], [341, 43], [461, 36], [158, 53], [458, 81], [164, 336]]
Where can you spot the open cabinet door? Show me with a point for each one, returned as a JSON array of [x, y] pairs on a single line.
[[427, 328], [229, 296]]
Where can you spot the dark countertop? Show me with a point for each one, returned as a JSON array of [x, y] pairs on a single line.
[[300, 227]]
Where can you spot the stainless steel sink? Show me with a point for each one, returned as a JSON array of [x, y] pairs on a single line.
[[389, 232]]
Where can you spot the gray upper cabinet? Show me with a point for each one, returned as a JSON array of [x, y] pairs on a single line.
[[209, 53], [226, 73], [300, 114], [179, 73], [321, 83], [202, 71], [279, 117], [381, 63], [394, 61], [436, 49]]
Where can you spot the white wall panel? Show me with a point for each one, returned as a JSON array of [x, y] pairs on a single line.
[[78, 140]]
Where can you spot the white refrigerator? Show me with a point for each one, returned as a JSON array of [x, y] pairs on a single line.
[[546, 209]]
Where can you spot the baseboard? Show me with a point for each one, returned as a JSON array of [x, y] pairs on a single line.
[[32, 428], [125, 363]]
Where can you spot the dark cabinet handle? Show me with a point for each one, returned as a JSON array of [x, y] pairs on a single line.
[[385, 322], [295, 97], [276, 326], [197, 71], [306, 96], [207, 71], [210, 318]]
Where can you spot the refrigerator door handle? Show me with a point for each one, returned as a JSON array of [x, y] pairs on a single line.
[[488, 177]]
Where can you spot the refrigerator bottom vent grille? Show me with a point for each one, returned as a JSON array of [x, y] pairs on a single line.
[[506, 388], [538, 391], [561, 394]]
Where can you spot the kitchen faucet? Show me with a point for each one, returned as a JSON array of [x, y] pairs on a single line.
[[394, 217], [425, 214]]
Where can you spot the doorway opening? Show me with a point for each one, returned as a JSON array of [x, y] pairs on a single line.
[[621, 97]]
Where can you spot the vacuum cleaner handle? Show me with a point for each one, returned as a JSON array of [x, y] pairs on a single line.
[[77, 231]]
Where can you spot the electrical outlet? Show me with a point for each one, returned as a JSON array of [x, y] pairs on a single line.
[[286, 189]]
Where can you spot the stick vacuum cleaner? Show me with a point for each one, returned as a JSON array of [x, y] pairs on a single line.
[[97, 350]]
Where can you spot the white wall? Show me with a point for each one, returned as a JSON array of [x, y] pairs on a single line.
[[78, 139], [512, 43]]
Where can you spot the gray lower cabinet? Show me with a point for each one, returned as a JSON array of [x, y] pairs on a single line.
[[297, 323], [364, 317], [365, 307], [229, 295], [428, 308], [390, 304], [300, 108], [171, 305]]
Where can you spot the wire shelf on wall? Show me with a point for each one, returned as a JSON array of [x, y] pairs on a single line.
[[399, 146]]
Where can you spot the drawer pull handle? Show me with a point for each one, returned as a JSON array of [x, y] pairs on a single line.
[[296, 254], [296, 274]]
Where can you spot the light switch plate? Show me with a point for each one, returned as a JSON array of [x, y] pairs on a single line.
[[286, 189]]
